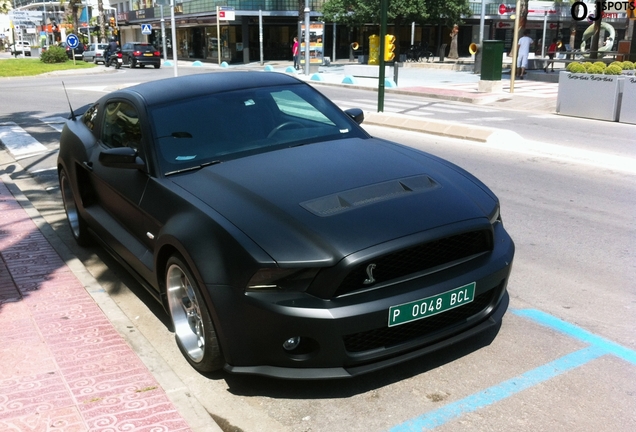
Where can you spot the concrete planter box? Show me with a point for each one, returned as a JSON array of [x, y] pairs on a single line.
[[628, 101], [590, 95]]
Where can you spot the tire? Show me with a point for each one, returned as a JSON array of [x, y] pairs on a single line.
[[75, 221], [131, 62], [193, 327], [142, 65], [157, 66]]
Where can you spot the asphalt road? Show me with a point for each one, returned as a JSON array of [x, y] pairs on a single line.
[[564, 358]]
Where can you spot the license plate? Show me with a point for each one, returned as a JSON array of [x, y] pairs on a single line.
[[148, 54], [424, 308]]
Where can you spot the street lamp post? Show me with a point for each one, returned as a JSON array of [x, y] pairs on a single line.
[[307, 39]]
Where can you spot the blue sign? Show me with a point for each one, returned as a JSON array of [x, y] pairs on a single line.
[[146, 29], [72, 41]]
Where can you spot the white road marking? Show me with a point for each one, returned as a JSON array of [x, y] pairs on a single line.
[[56, 123], [19, 142]]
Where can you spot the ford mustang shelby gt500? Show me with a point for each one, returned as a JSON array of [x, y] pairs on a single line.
[[281, 237]]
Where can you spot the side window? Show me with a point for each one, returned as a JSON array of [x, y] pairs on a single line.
[[89, 117], [121, 126]]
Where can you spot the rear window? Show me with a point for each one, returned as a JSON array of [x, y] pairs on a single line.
[[102, 46], [144, 48]]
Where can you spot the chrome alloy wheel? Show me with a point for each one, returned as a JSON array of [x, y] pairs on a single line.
[[186, 313], [69, 205]]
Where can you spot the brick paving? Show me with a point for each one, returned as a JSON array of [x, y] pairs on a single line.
[[63, 366]]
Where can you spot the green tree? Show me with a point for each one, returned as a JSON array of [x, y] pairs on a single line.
[[358, 12]]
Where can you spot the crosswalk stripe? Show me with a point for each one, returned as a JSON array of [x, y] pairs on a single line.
[[18, 141], [489, 119], [56, 123], [443, 110], [395, 103]]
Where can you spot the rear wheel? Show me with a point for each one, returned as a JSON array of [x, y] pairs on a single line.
[[75, 220], [191, 320], [131, 62]]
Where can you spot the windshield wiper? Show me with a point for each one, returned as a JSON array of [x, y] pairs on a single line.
[[193, 168]]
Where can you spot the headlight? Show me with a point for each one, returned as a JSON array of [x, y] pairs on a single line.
[[495, 216], [268, 279]]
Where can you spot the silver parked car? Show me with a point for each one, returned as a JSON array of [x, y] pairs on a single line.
[[95, 53]]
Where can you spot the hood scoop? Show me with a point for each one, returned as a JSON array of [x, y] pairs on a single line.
[[355, 198]]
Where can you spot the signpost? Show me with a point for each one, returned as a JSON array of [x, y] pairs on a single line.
[[73, 42]]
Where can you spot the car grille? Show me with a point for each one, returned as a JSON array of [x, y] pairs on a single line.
[[417, 259], [390, 336]]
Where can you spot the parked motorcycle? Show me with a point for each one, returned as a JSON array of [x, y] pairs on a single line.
[[113, 59]]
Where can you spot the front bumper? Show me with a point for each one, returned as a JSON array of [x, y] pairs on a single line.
[[349, 335]]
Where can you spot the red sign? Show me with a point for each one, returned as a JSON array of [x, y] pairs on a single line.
[[505, 9]]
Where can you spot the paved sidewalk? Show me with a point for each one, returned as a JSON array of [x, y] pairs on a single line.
[[64, 367]]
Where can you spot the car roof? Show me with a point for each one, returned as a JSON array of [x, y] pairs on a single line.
[[185, 87]]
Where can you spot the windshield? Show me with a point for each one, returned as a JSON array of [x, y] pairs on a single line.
[[240, 123]]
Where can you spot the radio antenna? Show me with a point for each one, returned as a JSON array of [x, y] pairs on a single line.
[[69, 102]]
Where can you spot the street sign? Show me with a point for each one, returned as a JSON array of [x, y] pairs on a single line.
[[146, 29], [72, 41], [227, 13]]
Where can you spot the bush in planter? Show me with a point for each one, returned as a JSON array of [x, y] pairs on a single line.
[[613, 70], [576, 67], [600, 64], [54, 54], [594, 69], [627, 65], [616, 63]]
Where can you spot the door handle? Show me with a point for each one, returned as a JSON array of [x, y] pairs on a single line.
[[88, 165]]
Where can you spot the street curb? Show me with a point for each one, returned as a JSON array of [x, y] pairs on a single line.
[[197, 417], [436, 127]]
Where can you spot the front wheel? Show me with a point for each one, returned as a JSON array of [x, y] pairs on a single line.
[[191, 320], [131, 62], [75, 220]]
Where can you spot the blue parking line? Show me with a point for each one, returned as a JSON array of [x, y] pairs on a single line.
[[577, 333], [598, 347], [504, 390]]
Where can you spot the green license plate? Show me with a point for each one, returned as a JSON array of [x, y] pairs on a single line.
[[430, 306]]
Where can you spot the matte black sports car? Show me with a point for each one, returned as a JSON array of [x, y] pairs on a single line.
[[281, 237]]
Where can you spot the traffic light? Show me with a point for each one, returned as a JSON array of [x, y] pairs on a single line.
[[389, 47], [112, 22]]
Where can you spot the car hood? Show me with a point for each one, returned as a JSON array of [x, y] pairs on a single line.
[[320, 202]]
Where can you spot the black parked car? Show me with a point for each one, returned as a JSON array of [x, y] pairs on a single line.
[[142, 54], [282, 239], [79, 51]]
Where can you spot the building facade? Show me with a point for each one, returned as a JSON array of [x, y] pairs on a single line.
[[264, 29]]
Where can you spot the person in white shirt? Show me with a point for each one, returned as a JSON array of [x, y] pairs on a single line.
[[523, 50]]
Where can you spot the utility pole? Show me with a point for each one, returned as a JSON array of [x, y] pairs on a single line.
[[383, 14]]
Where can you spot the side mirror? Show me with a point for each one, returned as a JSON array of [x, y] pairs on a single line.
[[121, 157], [356, 114]]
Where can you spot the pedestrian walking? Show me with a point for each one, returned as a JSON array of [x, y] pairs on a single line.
[[552, 49], [295, 53], [523, 51], [453, 53]]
